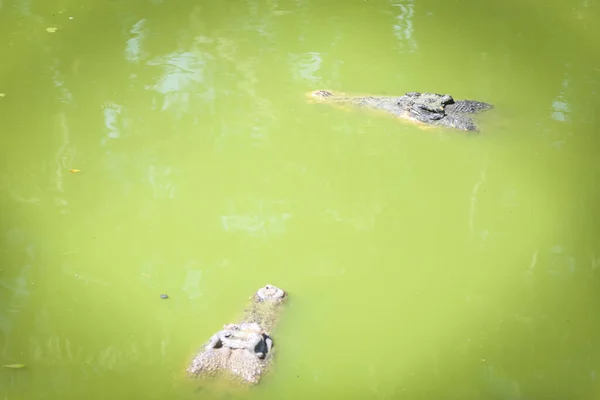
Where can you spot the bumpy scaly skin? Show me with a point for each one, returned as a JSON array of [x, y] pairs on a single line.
[[243, 350], [246, 336], [429, 108], [265, 307], [249, 336], [238, 364]]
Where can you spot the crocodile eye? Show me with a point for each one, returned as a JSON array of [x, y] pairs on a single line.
[[447, 99]]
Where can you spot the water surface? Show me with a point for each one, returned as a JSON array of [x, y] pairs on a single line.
[[420, 264]]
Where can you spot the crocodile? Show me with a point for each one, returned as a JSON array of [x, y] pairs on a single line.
[[248, 336], [242, 351], [265, 307], [428, 108]]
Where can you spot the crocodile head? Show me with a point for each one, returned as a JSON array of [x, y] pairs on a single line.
[[270, 293], [322, 93], [246, 336], [426, 106]]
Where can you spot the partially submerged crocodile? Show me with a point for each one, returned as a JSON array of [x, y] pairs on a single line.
[[264, 307], [250, 337], [243, 350], [428, 108]]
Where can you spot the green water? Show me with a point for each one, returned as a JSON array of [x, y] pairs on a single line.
[[420, 264]]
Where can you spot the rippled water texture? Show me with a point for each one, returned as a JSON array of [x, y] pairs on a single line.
[[167, 147]]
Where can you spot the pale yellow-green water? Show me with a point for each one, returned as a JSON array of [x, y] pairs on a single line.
[[420, 264]]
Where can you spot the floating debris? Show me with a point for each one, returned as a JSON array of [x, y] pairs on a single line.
[[164, 296], [74, 170]]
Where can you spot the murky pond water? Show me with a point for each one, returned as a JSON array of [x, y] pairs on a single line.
[[421, 264]]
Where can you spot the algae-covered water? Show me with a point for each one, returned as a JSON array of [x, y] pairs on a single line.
[[420, 264]]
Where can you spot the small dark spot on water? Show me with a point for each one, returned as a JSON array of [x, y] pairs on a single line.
[[164, 296]]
